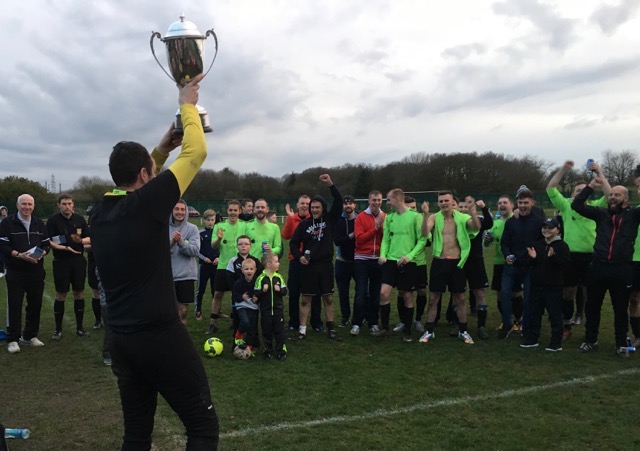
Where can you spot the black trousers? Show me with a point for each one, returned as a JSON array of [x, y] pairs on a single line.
[[551, 301], [617, 279], [163, 361], [272, 329], [18, 285]]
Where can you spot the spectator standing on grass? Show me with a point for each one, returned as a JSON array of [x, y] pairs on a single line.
[[610, 269], [580, 235], [151, 349], [474, 268], [368, 231], [634, 297], [20, 233], [421, 283], [402, 241], [269, 291], [245, 307], [224, 238], [234, 273], [345, 247], [550, 258], [295, 267], [69, 234], [184, 240], [312, 246], [520, 232], [208, 260], [452, 232]]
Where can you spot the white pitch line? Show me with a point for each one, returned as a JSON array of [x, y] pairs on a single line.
[[425, 406]]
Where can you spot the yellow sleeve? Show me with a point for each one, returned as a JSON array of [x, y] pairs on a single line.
[[194, 148], [159, 158]]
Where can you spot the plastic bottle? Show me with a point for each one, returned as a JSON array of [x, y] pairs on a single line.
[[16, 433], [589, 161], [264, 250], [307, 255]]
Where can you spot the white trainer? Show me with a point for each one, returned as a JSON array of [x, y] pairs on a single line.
[[399, 327], [419, 326], [33, 342], [13, 347], [355, 330], [464, 336]]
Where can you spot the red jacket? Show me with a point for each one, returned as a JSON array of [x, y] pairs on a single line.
[[290, 225], [368, 239]]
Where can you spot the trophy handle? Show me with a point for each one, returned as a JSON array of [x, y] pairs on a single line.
[[215, 38], [155, 34]]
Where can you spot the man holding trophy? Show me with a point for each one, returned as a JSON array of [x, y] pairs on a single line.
[[151, 349]]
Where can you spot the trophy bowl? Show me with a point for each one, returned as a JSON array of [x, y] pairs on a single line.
[[185, 57]]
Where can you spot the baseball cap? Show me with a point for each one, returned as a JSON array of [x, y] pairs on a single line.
[[348, 198], [551, 223]]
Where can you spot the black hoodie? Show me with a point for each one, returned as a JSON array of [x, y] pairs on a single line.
[[317, 235]]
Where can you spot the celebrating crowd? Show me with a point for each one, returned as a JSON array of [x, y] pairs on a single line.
[[141, 289]]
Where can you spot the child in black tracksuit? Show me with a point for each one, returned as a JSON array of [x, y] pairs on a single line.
[[245, 314], [268, 293], [550, 257]]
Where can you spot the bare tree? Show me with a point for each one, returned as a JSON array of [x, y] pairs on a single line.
[[619, 167]]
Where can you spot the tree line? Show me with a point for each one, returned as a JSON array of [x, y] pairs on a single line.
[[463, 173]]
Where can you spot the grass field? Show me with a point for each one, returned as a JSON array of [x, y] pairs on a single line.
[[358, 394]]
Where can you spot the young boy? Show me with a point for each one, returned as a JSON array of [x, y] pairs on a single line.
[[269, 291], [245, 309], [550, 258], [234, 273], [208, 259]]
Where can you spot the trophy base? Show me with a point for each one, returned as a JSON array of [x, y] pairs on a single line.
[[204, 120]]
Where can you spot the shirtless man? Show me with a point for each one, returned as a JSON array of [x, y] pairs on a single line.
[[451, 232]]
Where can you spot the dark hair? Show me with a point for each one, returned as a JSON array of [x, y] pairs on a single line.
[[408, 199], [244, 202], [126, 161], [375, 192], [234, 202], [63, 196], [445, 192]]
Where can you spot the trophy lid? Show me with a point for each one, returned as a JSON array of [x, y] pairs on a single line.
[[183, 28]]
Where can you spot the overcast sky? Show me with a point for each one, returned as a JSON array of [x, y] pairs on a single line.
[[304, 83]]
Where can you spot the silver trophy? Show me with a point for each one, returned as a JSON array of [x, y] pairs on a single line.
[[185, 55]]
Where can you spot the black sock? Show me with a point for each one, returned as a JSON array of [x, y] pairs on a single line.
[[408, 319], [95, 305], [462, 327], [430, 327], [78, 308], [58, 314], [518, 308], [421, 304], [482, 315], [635, 326], [330, 325], [400, 306], [214, 316], [384, 316]]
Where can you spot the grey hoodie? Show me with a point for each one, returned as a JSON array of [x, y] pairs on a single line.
[[184, 263]]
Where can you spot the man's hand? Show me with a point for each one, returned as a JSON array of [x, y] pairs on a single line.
[[26, 257], [304, 261], [551, 252], [480, 204], [568, 165], [189, 92], [72, 250], [169, 141], [425, 207], [220, 234], [289, 211], [379, 221], [326, 179], [76, 238], [176, 237], [403, 260], [215, 262], [596, 182], [382, 260], [532, 252]]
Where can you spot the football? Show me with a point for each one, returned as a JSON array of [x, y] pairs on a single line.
[[241, 353], [213, 347]]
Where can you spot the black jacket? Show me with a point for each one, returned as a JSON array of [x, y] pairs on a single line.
[[520, 233], [616, 230], [14, 237], [317, 235], [548, 272], [347, 245]]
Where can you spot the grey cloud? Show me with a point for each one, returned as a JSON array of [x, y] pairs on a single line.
[[560, 30], [464, 51], [610, 17], [399, 77], [580, 123]]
